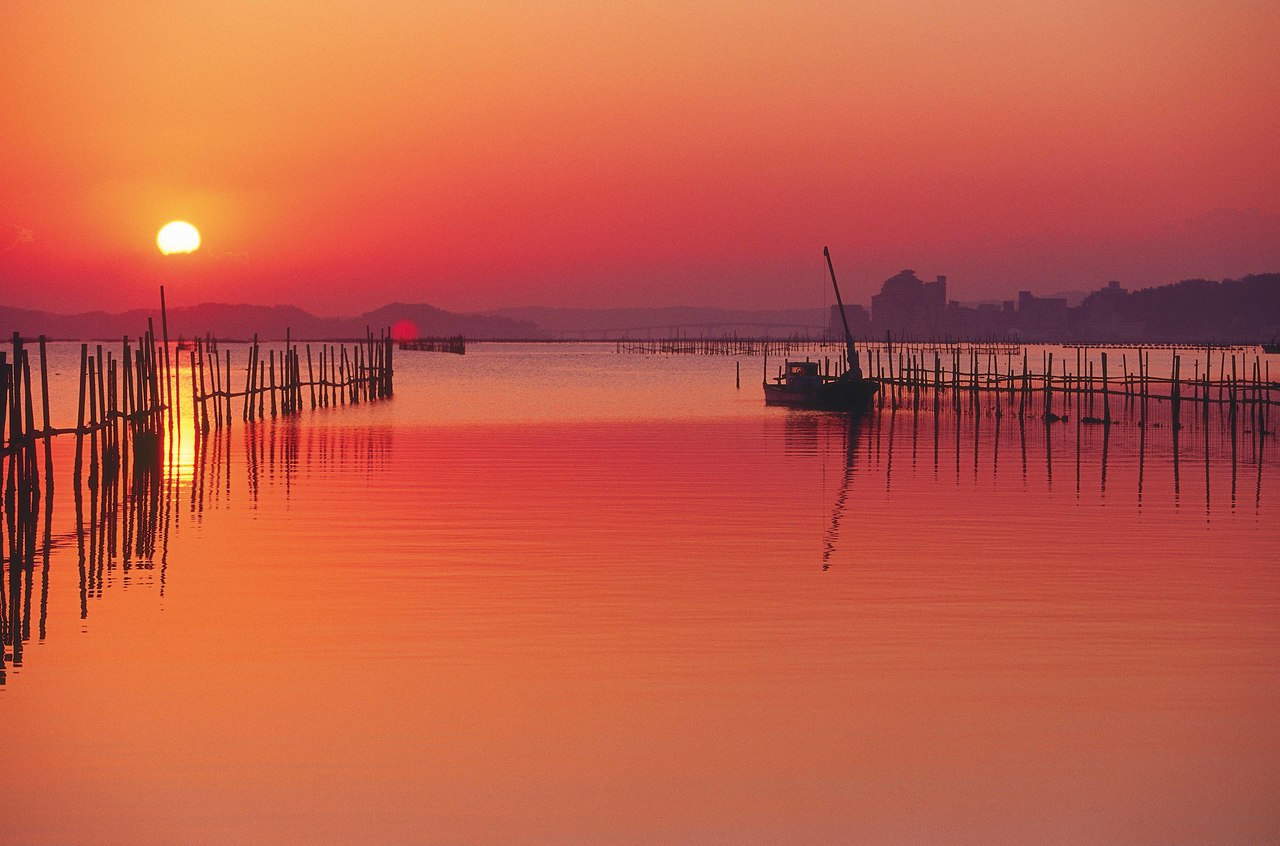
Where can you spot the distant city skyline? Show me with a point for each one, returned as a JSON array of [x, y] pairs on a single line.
[[1245, 310]]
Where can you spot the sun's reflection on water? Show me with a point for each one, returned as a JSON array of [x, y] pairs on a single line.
[[180, 449]]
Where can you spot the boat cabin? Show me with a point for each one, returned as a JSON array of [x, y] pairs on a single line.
[[802, 375]]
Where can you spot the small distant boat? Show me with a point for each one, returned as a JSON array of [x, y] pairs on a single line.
[[803, 385], [1272, 348]]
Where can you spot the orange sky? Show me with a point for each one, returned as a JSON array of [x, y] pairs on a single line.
[[599, 154]]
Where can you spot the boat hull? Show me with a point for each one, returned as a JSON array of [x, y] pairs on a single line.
[[838, 395]]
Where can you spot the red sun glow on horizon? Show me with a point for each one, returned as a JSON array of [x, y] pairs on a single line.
[[403, 331]]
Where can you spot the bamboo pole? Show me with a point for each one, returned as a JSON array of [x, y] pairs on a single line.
[[1176, 389], [153, 370], [117, 423], [389, 374], [204, 408], [195, 420], [343, 370], [140, 389], [227, 370], [255, 387], [129, 398], [326, 361], [15, 398], [29, 406], [1106, 392], [311, 378], [1048, 388], [164, 327], [44, 405], [4, 411], [102, 398], [215, 388], [93, 427], [285, 399]]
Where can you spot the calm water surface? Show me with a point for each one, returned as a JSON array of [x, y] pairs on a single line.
[[556, 595]]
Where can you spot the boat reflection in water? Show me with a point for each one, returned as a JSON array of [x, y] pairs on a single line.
[[851, 432]]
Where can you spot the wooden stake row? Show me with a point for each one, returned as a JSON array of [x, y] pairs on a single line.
[[456, 344], [121, 406], [1088, 388], [274, 386], [729, 345]]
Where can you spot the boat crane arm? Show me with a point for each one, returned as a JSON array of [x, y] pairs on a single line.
[[850, 352]]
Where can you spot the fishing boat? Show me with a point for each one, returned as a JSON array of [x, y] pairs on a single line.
[[802, 384], [1271, 348]]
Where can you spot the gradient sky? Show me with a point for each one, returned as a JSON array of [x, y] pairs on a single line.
[[593, 154]]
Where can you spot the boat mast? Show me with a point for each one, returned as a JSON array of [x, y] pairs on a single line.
[[850, 352]]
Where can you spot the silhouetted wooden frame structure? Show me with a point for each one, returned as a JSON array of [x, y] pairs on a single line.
[[275, 386]]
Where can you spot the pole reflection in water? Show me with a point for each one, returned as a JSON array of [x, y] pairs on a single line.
[[122, 521], [1119, 451], [1217, 448], [1106, 443], [1125, 442], [19, 544], [1177, 477]]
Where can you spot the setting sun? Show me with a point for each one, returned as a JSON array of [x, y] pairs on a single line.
[[178, 237]]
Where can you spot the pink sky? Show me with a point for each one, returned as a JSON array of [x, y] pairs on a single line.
[[597, 154]]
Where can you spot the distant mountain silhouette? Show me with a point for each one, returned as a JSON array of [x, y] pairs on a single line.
[[667, 322], [268, 322]]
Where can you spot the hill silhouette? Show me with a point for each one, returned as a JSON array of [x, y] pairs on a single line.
[[268, 322]]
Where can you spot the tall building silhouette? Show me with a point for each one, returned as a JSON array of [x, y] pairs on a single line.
[[909, 307]]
